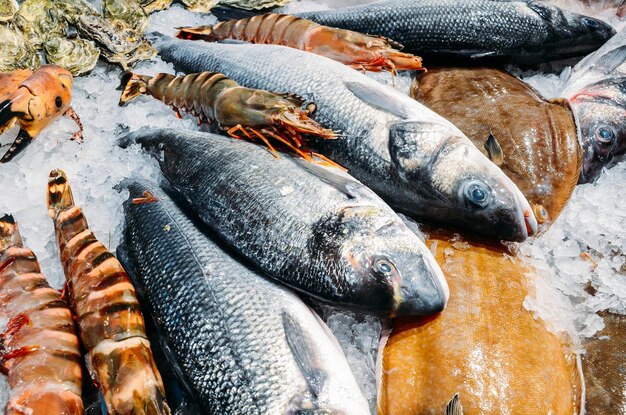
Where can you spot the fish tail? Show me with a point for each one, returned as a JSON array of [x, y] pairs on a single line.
[[132, 85]]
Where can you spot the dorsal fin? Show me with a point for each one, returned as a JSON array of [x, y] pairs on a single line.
[[454, 406]]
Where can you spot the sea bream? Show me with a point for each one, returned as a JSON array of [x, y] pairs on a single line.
[[413, 158], [311, 227], [523, 31], [243, 344]]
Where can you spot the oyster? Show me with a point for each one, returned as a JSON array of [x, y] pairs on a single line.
[[253, 4], [73, 8], [201, 6], [155, 5], [78, 56], [16, 52], [38, 19], [7, 9], [127, 11]]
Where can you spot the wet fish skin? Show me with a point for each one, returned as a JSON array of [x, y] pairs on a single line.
[[517, 31], [329, 237], [417, 161], [233, 334]]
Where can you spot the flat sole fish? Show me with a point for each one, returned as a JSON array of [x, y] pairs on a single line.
[[533, 141], [243, 345], [486, 347]]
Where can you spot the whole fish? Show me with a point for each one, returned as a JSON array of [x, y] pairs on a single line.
[[413, 158], [313, 228], [596, 90], [535, 142], [525, 31], [39, 349], [243, 344], [486, 348]]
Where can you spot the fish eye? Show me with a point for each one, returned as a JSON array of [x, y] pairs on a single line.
[[58, 102], [384, 266], [605, 136], [591, 23], [477, 194]]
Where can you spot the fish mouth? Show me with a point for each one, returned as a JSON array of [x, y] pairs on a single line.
[[526, 220]]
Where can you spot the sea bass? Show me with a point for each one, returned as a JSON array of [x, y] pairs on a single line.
[[596, 90], [535, 142], [313, 228], [243, 344], [516, 31], [413, 158]]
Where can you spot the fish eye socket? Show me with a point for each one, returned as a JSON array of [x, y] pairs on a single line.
[[58, 102], [591, 23], [384, 266], [477, 194], [605, 136]]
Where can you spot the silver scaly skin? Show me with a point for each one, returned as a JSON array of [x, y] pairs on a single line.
[[244, 345], [313, 228], [413, 158], [522, 31]]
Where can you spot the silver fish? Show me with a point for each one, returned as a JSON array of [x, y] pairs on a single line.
[[313, 228], [244, 345], [413, 158], [522, 31], [596, 91]]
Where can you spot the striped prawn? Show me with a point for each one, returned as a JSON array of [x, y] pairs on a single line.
[[358, 50], [110, 322], [244, 113], [40, 351]]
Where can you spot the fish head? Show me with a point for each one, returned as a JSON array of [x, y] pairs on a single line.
[[569, 34], [600, 111], [9, 233], [395, 273], [459, 184]]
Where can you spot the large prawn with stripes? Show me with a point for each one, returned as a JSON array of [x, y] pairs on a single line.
[[358, 50], [39, 350], [251, 114], [110, 322]]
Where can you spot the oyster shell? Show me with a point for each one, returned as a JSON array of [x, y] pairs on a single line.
[[73, 8], [38, 19], [78, 56], [200, 6], [253, 4], [16, 52], [155, 5], [127, 11], [7, 9]]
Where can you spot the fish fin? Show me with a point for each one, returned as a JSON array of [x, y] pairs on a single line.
[[22, 141], [132, 85], [382, 98], [413, 226], [494, 150], [346, 185], [224, 13], [306, 357], [6, 115], [454, 406]]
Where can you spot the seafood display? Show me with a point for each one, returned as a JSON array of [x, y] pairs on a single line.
[[39, 349], [413, 158], [597, 96], [109, 319], [486, 347], [244, 113], [351, 249], [16, 52], [533, 141], [522, 32], [33, 100], [371, 53], [279, 355]]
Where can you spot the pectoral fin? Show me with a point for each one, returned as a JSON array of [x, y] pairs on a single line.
[[386, 99], [494, 150], [454, 406], [344, 184]]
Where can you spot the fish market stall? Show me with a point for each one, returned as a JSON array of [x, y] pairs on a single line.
[[312, 207]]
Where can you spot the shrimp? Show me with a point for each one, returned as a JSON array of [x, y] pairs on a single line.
[[39, 350], [34, 100], [358, 50], [244, 113], [110, 322]]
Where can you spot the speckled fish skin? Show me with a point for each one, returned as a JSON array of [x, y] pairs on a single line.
[[517, 31], [342, 246], [413, 158], [233, 348]]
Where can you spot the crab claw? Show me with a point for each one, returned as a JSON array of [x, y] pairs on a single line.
[[22, 141], [60, 196], [11, 110]]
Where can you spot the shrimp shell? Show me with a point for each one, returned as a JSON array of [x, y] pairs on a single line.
[[109, 318], [40, 350]]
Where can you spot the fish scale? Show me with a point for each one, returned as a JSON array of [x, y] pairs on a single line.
[[231, 346]]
